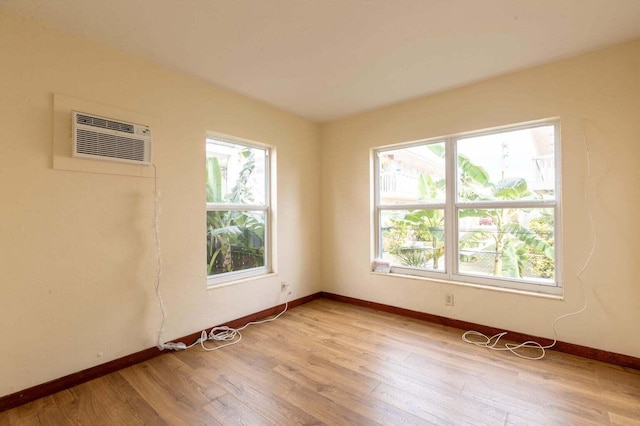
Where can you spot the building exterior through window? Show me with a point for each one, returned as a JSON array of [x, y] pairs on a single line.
[[480, 208]]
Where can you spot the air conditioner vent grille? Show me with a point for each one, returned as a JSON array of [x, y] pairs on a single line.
[[101, 138], [104, 123], [105, 145]]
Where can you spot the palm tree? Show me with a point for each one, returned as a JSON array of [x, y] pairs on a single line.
[[510, 242], [234, 238], [427, 225]]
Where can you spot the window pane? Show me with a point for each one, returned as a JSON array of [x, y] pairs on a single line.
[[413, 238], [511, 165], [235, 240], [235, 173], [510, 243], [412, 175]]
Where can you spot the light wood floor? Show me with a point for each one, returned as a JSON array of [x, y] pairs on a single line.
[[331, 363]]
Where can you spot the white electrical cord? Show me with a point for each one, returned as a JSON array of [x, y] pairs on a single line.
[[492, 342], [156, 227], [223, 333], [229, 334]]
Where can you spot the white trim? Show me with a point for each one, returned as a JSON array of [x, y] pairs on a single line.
[[236, 207], [559, 296], [235, 277], [261, 271], [452, 206]]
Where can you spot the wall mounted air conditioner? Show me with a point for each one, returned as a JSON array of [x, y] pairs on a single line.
[[103, 138]]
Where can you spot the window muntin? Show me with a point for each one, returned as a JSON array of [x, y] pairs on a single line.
[[496, 198], [237, 195]]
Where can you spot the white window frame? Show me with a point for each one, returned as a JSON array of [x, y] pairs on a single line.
[[234, 276], [451, 207]]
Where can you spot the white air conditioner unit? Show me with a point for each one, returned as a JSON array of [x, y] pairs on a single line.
[[103, 138]]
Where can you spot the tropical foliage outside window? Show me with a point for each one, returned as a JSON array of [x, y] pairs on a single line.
[[481, 208], [237, 209]]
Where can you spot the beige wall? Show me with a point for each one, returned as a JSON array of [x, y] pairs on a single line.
[[77, 252], [597, 97]]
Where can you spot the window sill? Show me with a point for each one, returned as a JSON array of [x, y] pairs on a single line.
[[472, 285], [212, 285]]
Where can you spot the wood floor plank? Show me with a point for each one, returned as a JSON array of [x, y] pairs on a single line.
[[170, 406], [295, 394], [619, 420], [357, 337], [182, 380], [260, 393], [332, 363], [74, 406], [355, 400], [28, 414], [126, 406], [231, 411]]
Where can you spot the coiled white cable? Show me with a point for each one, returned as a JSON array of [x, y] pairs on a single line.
[[222, 333], [482, 340], [229, 334]]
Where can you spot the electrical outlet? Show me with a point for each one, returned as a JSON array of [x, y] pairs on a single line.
[[448, 299], [284, 286]]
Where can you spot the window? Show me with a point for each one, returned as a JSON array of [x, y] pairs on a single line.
[[237, 184], [481, 208]]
